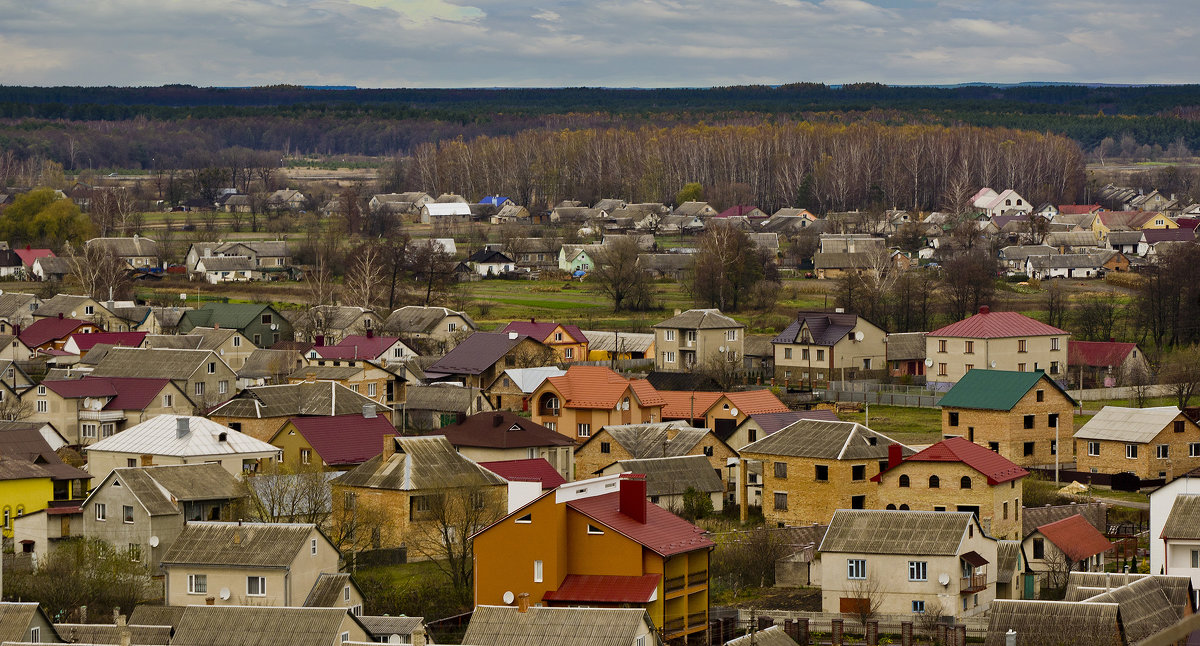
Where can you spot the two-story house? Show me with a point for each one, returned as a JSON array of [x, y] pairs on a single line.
[[33, 476], [378, 383], [588, 398], [438, 327], [568, 341], [329, 324], [232, 346], [698, 337], [477, 360], [335, 442], [819, 347], [179, 439], [262, 410], [502, 435], [995, 341], [1151, 443], [93, 408], [262, 324], [615, 443], [201, 374]]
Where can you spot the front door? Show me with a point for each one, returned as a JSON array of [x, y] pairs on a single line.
[[65, 526]]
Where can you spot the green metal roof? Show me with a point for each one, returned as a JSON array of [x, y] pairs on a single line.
[[994, 389], [227, 315]]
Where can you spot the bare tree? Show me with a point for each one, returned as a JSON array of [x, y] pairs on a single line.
[[726, 368], [365, 276], [357, 524], [1181, 374], [98, 271], [13, 408], [621, 279], [929, 619], [320, 283], [1056, 304], [455, 513], [432, 268], [867, 597], [282, 493], [1139, 380]]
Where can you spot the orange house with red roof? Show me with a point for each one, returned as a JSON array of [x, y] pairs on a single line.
[[588, 398], [957, 475], [568, 341], [599, 543], [721, 412]]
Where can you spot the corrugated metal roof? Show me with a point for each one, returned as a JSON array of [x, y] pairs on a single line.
[[45, 330], [822, 439], [541, 626], [657, 440], [239, 544], [772, 636], [529, 469], [673, 476], [995, 389], [328, 590], [699, 319], [111, 634], [933, 533], [588, 589], [260, 626], [1054, 622], [343, 439], [1123, 424], [158, 436], [996, 325], [528, 379], [426, 462], [1098, 354], [1145, 608], [290, 400]]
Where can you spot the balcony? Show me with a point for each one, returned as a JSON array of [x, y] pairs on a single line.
[[101, 415], [697, 620], [675, 583], [697, 578], [674, 627], [973, 583]]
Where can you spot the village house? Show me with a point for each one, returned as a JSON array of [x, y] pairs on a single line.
[[444, 212], [331, 442], [814, 467], [568, 341], [1151, 443], [178, 439], [576, 258], [993, 203], [523, 625], [440, 404], [643, 441], [406, 486], [262, 324], [268, 368], [259, 412], [373, 380], [137, 252], [759, 425], [698, 337], [905, 354], [202, 625], [995, 341], [202, 375], [478, 359], [958, 475], [534, 254], [225, 269], [1023, 416], [1055, 549], [722, 412], [669, 479], [232, 346], [80, 343], [598, 542], [93, 408], [1104, 364], [1075, 265], [918, 561], [49, 335], [16, 309], [1178, 494], [113, 316], [26, 622], [33, 476], [1109, 221], [503, 436], [819, 347], [440, 326], [588, 398], [514, 387]]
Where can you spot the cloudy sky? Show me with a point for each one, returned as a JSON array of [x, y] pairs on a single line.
[[647, 43]]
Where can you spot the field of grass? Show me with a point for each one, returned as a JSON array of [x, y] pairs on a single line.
[[903, 424]]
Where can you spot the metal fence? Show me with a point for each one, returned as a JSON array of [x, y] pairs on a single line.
[[869, 392]]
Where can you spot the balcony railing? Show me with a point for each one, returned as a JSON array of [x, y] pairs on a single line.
[[697, 620], [674, 626], [675, 583], [973, 583], [697, 578]]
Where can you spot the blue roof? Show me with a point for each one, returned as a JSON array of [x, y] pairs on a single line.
[[494, 200]]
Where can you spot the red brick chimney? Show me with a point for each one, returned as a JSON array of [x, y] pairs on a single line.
[[895, 456], [984, 309], [632, 500], [319, 341], [389, 446], [370, 334]]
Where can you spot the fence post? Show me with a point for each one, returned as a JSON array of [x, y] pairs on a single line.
[[872, 632], [906, 636], [835, 632], [942, 634], [802, 631], [960, 634]]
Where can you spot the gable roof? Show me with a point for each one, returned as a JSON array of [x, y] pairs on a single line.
[[29, 255], [125, 339], [1076, 537], [1051, 622], [663, 533], [226, 315], [414, 318], [686, 404], [1181, 234], [699, 319], [545, 626], [45, 330], [932, 533], [161, 489], [994, 389], [159, 436], [996, 325], [541, 331], [16, 617], [1124, 424], [823, 327], [1146, 607], [357, 346], [675, 475], [264, 362], [127, 393], [111, 634], [1095, 513], [127, 247], [423, 462], [502, 430], [525, 470], [601, 387], [527, 380], [759, 401], [291, 400], [773, 635], [23, 442], [476, 353], [151, 362], [238, 544], [260, 626], [1183, 521], [830, 440], [994, 466], [327, 591], [343, 439], [1098, 354], [772, 422], [655, 440]]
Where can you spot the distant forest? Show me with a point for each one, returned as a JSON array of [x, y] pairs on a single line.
[[158, 127]]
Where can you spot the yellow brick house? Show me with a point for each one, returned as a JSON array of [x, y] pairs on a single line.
[[1150, 443]]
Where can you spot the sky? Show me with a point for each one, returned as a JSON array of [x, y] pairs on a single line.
[[616, 43]]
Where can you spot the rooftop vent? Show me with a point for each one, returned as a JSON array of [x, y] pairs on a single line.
[[183, 426]]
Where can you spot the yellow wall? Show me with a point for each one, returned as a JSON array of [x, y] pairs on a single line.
[[24, 496], [811, 500], [1007, 428], [990, 499]]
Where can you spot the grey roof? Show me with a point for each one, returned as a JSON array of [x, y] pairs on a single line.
[[904, 346], [147, 362], [334, 317], [1125, 237], [657, 440], [1054, 622], [313, 398], [259, 626], [542, 626], [160, 488], [823, 439], [264, 545], [604, 340], [15, 306], [759, 345], [226, 263], [15, 619], [446, 398], [54, 265], [932, 533], [383, 626], [841, 260], [269, 363], [168, 316], [328, 589], [1069, 261], [1071, 239], [1008, 557], [772, 636], [666, 261], [1183, 521], [476, 353], [700, 319], [173, 341], [1095, 513], [111, 634], [328, 373], [147, 615], [417, 319], [127, 247], [1123, 424], [1085, 585], [423, 462], [1145, 607], [158, 436], [675, 475], [69, 305], [1021, 252]]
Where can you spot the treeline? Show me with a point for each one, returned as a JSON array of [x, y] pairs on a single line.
[[823, 167]]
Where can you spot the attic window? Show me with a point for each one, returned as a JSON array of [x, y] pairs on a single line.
[[117, 483], [872, 440], [594, 531], [526, 519]]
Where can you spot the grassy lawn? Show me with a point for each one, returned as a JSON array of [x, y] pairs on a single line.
[[1150, 402], [1128, 496], [903, 424]]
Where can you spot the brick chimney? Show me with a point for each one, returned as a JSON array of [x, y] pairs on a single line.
[[984, 309], [147, 460], [389, 446], [370, 333], [523, 602], [632, 500], [319, 341], [895, 456], [497, 419]]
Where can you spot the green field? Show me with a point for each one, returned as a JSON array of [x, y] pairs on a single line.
[[901, 423]]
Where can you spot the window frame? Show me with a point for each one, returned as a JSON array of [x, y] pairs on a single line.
[[262, 586], [101, 512], [918, 571], [1093, 448], [193, 580], [856, 569]]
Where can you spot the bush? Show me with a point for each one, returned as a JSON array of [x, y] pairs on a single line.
[[696, 504], [82, 572]]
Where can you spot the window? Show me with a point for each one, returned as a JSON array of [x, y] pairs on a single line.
[[942, 345], [43, 406], [918, 571], [107, 430], [781, 500], [35, 634], [266, 319], [969, 367], [856, 569], [345, 637], [668, 356], [1029, 421], [965, 483], [41, 390], [558, 336], [858, 472], [168, 401], [903, 481], [994, 447], [1028, 448], [223, 386], [1020, 367], [134, 551], [312, 549], [594, 531], [731, 335], [1195, 559], [708, 450], [127, 513], [1131, 451], [866, 364], [752, 435], [1162, 451], [129, 462], [87, 430], [199, 389], [569, 353], [804, 354], [537, 571], [781, 470], [787, 353], [1178, 426], [585, 430], [237, 340], [1004, 515], [373, 388], [1039, 548], [970, 347], [1054, 367], [1194, 450], [934, 482], [89, 309], [918, 606], [1093, 448], [690, 337], [606, 447], [256, 586], [1053, 447], [1052, 420], [822, 473], [1041, 395], [197, 583], [101, 511], [212, 367], [942, 370], [640, 641], [345, 591], [820, 355], [1021, 345], [953, 418], [670, 334]]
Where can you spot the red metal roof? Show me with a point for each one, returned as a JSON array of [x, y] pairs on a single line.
[[344, 439], [1075, 537], [1098, 354], [133, 393], [543, 331], [996, 467], [88, 387], [536, 469], [686, 404], [29, 255], [595, 588], [663, 532], [1187, 223], [45, 330], [736, 211], [996, 325], [357, 346], [502, 430], [752, 402], [1154, 236], [1077, 209], [124, 339]]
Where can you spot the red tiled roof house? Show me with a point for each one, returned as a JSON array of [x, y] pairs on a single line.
[[995, 341]]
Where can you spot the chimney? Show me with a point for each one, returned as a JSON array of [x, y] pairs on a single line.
[[147, 460], [895, 456], [389, 446], [460, 418], [511, 335], [523, 602], [216, 326], [370, 334], [310, 377], [183, 426], [984, 309], [531, 320], [126, 635], [632, 501], [368, 411], [210, 601], [319, 341], [497, 419], [60, 316]]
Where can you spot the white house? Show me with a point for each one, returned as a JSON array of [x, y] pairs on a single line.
[[178, 439], [445, 211], [994, 204], [225, 269], [1174, 502]]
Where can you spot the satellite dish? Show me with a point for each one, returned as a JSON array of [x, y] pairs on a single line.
[[944, 578], [224, 594], [182, 296], [859, 336], [721, 349], [96, 404], [509, 596], [993, 364], [153, 541], [87, 402], [274, 326], [72, 314], [733, 411], [929, 363]]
